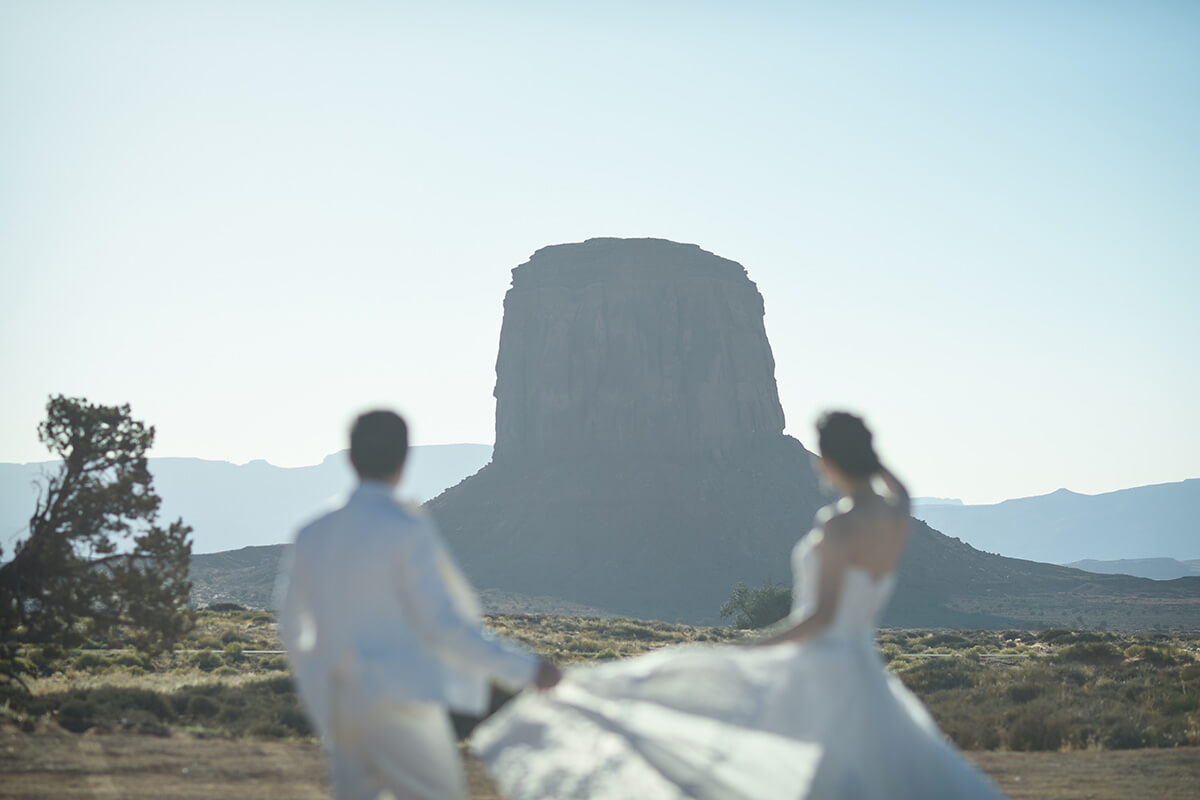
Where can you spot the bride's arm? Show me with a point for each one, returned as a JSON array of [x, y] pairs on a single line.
[[831, 557], [897, 489]]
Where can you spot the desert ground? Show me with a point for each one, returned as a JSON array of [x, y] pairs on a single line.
[[50, 763], [1050, 714]]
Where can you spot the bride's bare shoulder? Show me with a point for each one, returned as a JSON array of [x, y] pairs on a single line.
[[831, 512], [828, 521]]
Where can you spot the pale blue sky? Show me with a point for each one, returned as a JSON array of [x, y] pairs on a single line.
[[974, 222]]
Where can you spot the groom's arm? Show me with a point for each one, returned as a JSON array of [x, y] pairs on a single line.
[[436, 617]]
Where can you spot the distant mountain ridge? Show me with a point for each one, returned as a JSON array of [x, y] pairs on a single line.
[[231, 506], [1157, 521], [1161, 569]]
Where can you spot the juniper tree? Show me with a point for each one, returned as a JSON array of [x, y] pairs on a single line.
[[95, 560]]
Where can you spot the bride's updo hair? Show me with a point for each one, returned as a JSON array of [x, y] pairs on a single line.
[[845, 441]]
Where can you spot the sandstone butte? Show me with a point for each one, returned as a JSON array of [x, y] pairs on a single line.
[[641, 466]]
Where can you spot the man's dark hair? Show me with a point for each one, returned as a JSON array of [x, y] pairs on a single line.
[[378, 444]]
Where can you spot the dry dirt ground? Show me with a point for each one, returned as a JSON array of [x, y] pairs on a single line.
[[50, 763]]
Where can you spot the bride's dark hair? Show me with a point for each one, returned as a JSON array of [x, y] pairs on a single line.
[[845, 441]]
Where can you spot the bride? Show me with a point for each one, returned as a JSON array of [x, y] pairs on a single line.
[[809, 712]]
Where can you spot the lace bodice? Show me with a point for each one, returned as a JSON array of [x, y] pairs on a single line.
[[862, 599]]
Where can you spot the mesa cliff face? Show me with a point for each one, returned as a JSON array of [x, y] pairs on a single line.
[[640, 462], [632, 347]]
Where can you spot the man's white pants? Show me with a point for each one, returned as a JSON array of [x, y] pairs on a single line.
[[395, 752]]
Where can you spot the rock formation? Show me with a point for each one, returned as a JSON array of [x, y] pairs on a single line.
[[632, 347], [640, 461], [640, 465]]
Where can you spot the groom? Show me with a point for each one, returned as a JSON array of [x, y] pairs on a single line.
[[384, 635]]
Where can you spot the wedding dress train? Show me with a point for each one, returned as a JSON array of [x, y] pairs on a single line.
[[819, 719]]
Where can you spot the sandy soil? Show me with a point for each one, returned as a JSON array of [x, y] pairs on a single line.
[[50, 763]]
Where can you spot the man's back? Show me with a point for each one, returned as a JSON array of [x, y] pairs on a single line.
[[385, 634], [375, 605], [347, 558]]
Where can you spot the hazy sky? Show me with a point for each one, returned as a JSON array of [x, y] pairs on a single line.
[[977, 223]]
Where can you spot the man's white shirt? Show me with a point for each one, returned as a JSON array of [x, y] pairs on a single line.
[[374, 603]]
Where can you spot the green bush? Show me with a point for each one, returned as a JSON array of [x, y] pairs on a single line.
[[952, 640], [143, 723], [1125, 734], [76, 715], [1151, 655], [1072, 676], [937, 674], [1023, 692], [1183, 704], [206, 661], [138, 710], [91, 661], [758, 607], [132, 658], [1036, 729], [201, 707], [113, 698], [280, 685], [295, 720], [47, 659], [1092, 653], [1055, 635], [53, 652], [962, 724], [225, 608], [268, 729]]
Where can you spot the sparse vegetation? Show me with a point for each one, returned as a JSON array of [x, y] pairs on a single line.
[[989, 690]]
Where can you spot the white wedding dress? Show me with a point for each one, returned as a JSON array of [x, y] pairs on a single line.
[[818, 719]]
